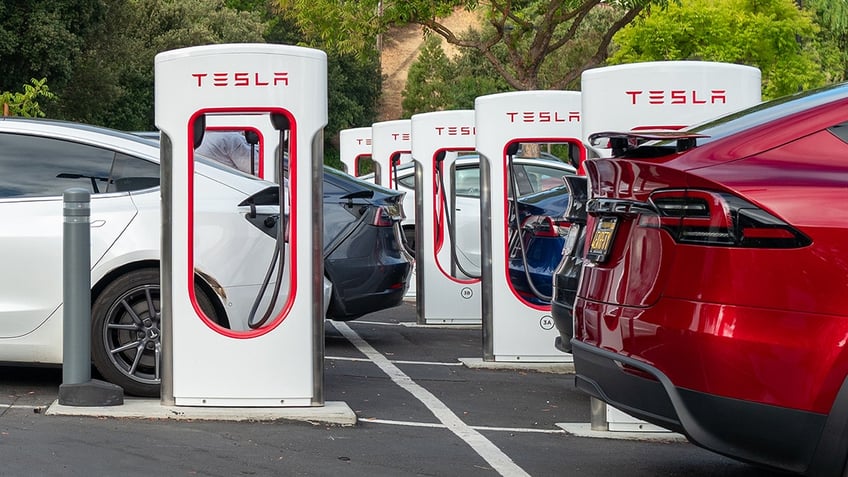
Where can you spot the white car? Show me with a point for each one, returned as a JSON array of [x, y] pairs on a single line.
[[533, 174], [39, 160]]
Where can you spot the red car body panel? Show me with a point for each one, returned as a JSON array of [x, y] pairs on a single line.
[[760, 324]]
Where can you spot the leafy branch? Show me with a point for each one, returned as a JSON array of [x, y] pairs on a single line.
[[26, 103]]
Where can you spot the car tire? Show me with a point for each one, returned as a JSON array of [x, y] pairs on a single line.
[[126, 331]]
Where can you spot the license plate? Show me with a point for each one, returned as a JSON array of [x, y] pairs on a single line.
[[599, 248]]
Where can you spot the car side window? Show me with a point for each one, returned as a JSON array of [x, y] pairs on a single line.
[[132, 173], [544, 178], [32, 166], [467, 182], [407, 181], [840, 131]]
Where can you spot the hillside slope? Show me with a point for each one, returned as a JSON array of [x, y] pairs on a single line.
[[400, 49]]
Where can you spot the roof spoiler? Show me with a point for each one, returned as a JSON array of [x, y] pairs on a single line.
[[621, 142]]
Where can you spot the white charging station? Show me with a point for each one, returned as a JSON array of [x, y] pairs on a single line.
[[391, 145], [354, 147], [514, 329], [444, 295], [666, 95], [279, 364], [661, 95]]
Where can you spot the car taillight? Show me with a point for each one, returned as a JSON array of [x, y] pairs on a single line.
[[702, 217], [387, 215]]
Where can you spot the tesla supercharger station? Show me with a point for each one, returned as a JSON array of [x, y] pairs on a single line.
[[444, 296], [391, 144], [514, 329], [354, 147], [661, 95], [664, 95], [281, 362]]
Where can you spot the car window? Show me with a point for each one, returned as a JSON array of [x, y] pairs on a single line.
[[33, 166], [544, 178], [132, 173], [407, 181], [840, 131], [467, 181], [339, 213], [331, 189]]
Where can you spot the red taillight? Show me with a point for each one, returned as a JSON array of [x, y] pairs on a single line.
[[387, 215], [383, 218], [702, 217]]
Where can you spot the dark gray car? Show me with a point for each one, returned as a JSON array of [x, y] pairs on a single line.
[[363, 254]]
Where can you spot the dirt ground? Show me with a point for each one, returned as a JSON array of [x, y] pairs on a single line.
[[400, 49]]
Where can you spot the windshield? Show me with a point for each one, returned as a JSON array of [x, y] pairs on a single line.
[[767, 112]]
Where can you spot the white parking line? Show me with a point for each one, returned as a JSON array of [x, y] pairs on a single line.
[[431, 363], [4, 407], [517, 430], [499, 461]]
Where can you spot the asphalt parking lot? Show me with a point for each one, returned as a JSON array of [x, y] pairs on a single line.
[[419, 411]]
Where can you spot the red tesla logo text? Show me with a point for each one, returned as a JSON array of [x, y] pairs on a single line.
[[279, 78], [543, 117], [678, 96], [401, 136], [361, 141], [455, 130]]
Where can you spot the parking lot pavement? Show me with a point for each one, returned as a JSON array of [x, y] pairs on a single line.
[[420, 412]]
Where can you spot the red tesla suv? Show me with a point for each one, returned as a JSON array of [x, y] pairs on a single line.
[[714, 294]]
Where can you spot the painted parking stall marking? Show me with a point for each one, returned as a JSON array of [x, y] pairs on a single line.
[[484, 448]]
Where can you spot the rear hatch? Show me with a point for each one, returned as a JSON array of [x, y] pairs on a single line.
[[625, 249], [653, 199], [654, 220]]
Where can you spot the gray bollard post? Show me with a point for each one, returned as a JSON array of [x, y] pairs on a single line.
[[598, 419], [77, 388]]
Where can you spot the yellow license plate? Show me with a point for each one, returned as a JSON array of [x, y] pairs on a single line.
[[602, 238]]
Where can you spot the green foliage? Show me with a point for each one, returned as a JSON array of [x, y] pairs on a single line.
[[26, 103], [345, 26], [437, 83], [833, 18], [44, 39], [523, 38], [99, 56], [353, 80], [773, 35], [112, 81], [354, 86], [428, 80]]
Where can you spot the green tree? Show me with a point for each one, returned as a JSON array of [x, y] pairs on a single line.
[[44, 39], [833, 19], [773, 35], [101, 54], [113, 81], [26, 103], [353, 81], [529, 31], [354, 91], [436, 82], [428, 81]]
